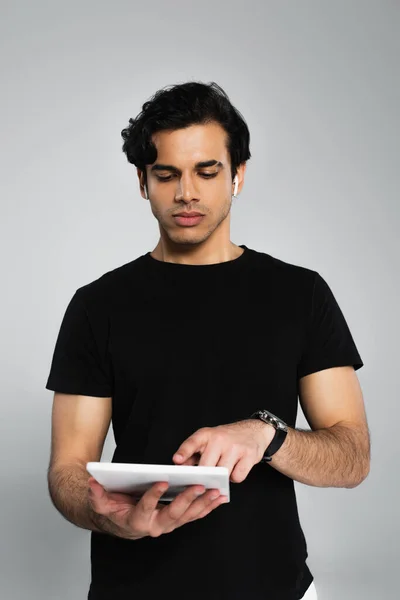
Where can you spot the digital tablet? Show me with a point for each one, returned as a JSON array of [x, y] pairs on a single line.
[[135, 478]]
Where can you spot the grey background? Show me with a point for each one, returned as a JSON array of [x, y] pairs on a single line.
[[318, 84]]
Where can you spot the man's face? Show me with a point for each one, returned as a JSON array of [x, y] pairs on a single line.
[[177, 184]]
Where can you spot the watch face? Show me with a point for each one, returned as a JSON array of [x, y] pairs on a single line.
[[271, 415], [274, 420]]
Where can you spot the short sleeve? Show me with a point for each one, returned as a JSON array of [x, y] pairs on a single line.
[[329, 342], [79, 364]]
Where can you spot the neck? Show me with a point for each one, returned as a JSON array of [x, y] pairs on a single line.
[[196, 254]]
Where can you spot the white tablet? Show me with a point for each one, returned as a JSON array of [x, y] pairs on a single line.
[[135, 478]]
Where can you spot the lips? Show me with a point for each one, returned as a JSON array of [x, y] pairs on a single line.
[[188, 219], [190, 214]]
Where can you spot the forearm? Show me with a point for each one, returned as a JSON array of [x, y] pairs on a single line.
[[337, 456], [68, 488]]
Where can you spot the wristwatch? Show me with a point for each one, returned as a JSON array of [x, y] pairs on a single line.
[[281, 430]]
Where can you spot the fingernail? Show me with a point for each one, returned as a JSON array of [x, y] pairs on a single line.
[[214, 496]]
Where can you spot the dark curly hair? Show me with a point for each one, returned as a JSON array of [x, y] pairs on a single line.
[[177, 107]]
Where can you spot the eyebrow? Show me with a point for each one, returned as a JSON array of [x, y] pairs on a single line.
[[198, 165]]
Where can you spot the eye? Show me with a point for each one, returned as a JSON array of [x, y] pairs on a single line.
[[163, 178], [205, 175]]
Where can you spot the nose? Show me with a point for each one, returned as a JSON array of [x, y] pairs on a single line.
[[186, 190]]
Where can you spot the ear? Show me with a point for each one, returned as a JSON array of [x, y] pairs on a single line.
[[240, 173], [141, 177]]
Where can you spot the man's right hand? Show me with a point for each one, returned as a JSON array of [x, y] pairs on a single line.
[[125, 516]]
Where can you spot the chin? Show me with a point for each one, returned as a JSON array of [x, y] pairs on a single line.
[[185, 236], [185, 240]]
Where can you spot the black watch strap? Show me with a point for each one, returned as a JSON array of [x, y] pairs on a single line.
[[275, 444], [281, 430]]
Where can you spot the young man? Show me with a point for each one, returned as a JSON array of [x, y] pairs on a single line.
[[198, 352]]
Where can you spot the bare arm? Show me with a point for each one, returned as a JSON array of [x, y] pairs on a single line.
[[337, 452], [79, 429], [336, 456], [68, 488]]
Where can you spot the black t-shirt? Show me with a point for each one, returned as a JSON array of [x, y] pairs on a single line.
[[179, 347]]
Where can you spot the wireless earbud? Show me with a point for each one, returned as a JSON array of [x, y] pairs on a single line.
[[236, 182], [145, 191]]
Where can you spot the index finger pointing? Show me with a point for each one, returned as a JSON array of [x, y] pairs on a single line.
[[192, 445]]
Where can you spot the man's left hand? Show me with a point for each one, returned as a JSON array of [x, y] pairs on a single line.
[[236, 446]]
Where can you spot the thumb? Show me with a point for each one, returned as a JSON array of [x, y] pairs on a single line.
[[95, 487]]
